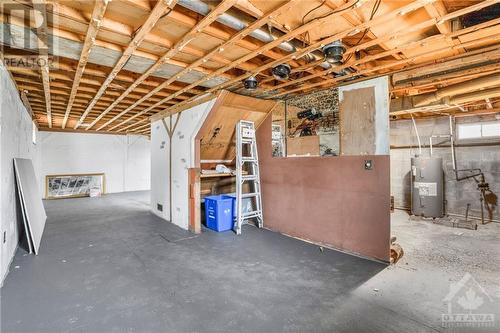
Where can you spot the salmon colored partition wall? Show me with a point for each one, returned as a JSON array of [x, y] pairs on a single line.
[[329, 200]]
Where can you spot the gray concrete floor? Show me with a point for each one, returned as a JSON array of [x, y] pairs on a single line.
[[109, 265]]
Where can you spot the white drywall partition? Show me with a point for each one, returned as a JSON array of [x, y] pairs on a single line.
[[382, 101], [183, 158], [125, 160], [16, 130]]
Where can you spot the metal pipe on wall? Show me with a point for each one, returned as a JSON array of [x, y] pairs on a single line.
[[418, 136], [452, 144], [436, 136]]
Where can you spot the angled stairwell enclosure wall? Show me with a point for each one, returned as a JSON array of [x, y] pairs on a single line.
[[204, 132], [183, 157]]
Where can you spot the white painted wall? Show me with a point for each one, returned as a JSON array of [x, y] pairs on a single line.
[[183, 158], [15, 141], [382, 101], [125, 160]]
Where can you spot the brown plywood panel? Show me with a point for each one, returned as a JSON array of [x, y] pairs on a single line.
[[303, 146], [357, 122], [332, 201]]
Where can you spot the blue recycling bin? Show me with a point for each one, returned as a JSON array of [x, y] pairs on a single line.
[[219, 212]]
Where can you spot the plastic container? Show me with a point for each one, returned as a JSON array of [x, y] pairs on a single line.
[[246, 205], [219, 212]]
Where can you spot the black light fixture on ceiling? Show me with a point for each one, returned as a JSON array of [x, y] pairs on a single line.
[[334, 52], [281, 72], [250, 83]]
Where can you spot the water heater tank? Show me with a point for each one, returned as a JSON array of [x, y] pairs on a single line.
[[427, 187]]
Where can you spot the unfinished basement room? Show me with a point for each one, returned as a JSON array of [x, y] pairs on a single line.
[[253, 166]]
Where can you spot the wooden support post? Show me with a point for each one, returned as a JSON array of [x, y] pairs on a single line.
[[194, 200]]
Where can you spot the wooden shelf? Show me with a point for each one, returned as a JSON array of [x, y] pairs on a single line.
[[213, 175]]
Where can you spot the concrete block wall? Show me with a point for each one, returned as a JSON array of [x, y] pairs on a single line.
[[16, 130], [484, 155]]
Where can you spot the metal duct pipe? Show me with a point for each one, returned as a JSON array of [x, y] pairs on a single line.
[[456, 89], [237, 24], [474, 96]]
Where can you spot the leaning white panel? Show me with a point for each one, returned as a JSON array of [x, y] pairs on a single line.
[[31, 199], [25, 218]]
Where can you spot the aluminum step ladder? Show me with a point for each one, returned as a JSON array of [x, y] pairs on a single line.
[[247, 161]]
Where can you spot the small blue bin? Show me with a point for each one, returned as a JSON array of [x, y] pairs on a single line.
[[219, 212]]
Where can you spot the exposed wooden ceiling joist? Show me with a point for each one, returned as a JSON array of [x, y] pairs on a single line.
[[175, 64], [176, 48], [94, 24], [43, 47], [160, 8], [234, 39], [393, 35]]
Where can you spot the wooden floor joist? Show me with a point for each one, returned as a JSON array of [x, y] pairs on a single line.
[[435, 38], [43, 49], [94, 24], [318, 45], [182, 53], [290, 35], [393, 35], [158, 11], [176, 48], [385, 68], [235, 38]]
